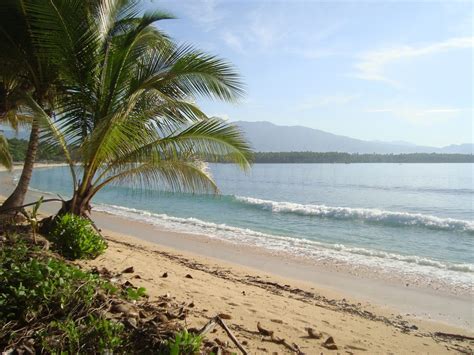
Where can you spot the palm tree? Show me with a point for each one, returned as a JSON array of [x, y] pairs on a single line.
[[129, 111], [27, 77]]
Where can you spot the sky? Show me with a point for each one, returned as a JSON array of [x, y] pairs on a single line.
[[372, 70]]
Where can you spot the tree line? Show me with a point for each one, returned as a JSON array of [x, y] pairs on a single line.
[[18, 148], [347, 158]]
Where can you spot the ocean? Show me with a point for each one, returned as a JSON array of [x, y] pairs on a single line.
[[412, 219]]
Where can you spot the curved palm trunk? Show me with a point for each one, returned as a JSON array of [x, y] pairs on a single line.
[[17, 198]]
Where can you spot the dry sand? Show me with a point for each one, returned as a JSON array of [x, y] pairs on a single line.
[[282, 305]]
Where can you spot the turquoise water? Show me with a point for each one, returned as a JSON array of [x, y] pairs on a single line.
[[410, 218]]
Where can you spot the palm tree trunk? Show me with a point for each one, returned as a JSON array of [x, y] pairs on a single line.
[[78, 206], [17, 198]]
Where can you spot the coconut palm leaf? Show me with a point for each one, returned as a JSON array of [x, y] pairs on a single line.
[[5, 157]]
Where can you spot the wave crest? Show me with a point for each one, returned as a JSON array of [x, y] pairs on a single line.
[[364, 214], [297, 246]]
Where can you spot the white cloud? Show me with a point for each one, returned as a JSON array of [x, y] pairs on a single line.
[[327, 100], [372, 64], [204, 12], [266, 31], [233, 41], [424, 116]]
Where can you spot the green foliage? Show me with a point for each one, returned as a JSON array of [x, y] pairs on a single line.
[[61, 309], [18, 149], [346, 158], [104, 333], [35, 289], [32, 216], [75, 238], [5, 155], [135, 294], [29, 287], [184, 343]]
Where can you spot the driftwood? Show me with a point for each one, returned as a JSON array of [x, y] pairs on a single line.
[[277, 340], [218, 321], [281, 341], [453, 336], [263, 331]]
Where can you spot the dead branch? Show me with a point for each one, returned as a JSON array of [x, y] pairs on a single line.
[[217, 320], [453, 336]]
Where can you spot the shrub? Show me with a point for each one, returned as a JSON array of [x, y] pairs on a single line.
[[48, 305], [75, 238], [31, 286], [57, 300], [91, 332], [184, 343]]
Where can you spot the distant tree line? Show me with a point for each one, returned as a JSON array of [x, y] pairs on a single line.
[[18, 149], [46, 153], [347, 158]]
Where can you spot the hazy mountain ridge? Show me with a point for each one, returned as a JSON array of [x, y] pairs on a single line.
[[268, 137]]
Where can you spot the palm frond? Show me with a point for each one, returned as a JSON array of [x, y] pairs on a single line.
[[5, 157], [170, 174], [212, 139], [186, 72]]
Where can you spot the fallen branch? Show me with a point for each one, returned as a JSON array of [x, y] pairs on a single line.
[[453, 336], [30, 204], [281, 341], [217, 320], [264, 331], [208, 327], [277, 340]]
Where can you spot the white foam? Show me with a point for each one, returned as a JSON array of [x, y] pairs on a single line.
[[459, 274], [364, 214]]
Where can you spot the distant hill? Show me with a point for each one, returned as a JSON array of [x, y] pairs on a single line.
[[268, 137]]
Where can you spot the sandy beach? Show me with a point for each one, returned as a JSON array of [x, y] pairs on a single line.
[[249, 286]]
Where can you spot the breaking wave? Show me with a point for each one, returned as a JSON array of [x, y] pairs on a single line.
[[363, 214], [294, 245]]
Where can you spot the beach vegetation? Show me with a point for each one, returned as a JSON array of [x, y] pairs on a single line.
[[184, 343], [348, 158], [54, 300], [48, 305], [75, 238], [19, 147], [134, 294]]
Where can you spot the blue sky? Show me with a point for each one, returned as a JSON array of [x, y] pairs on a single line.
[[373, 70]]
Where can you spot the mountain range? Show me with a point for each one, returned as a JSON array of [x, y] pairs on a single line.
[[268, 137]]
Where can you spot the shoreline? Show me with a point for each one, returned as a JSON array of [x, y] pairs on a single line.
[[414, 301]]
